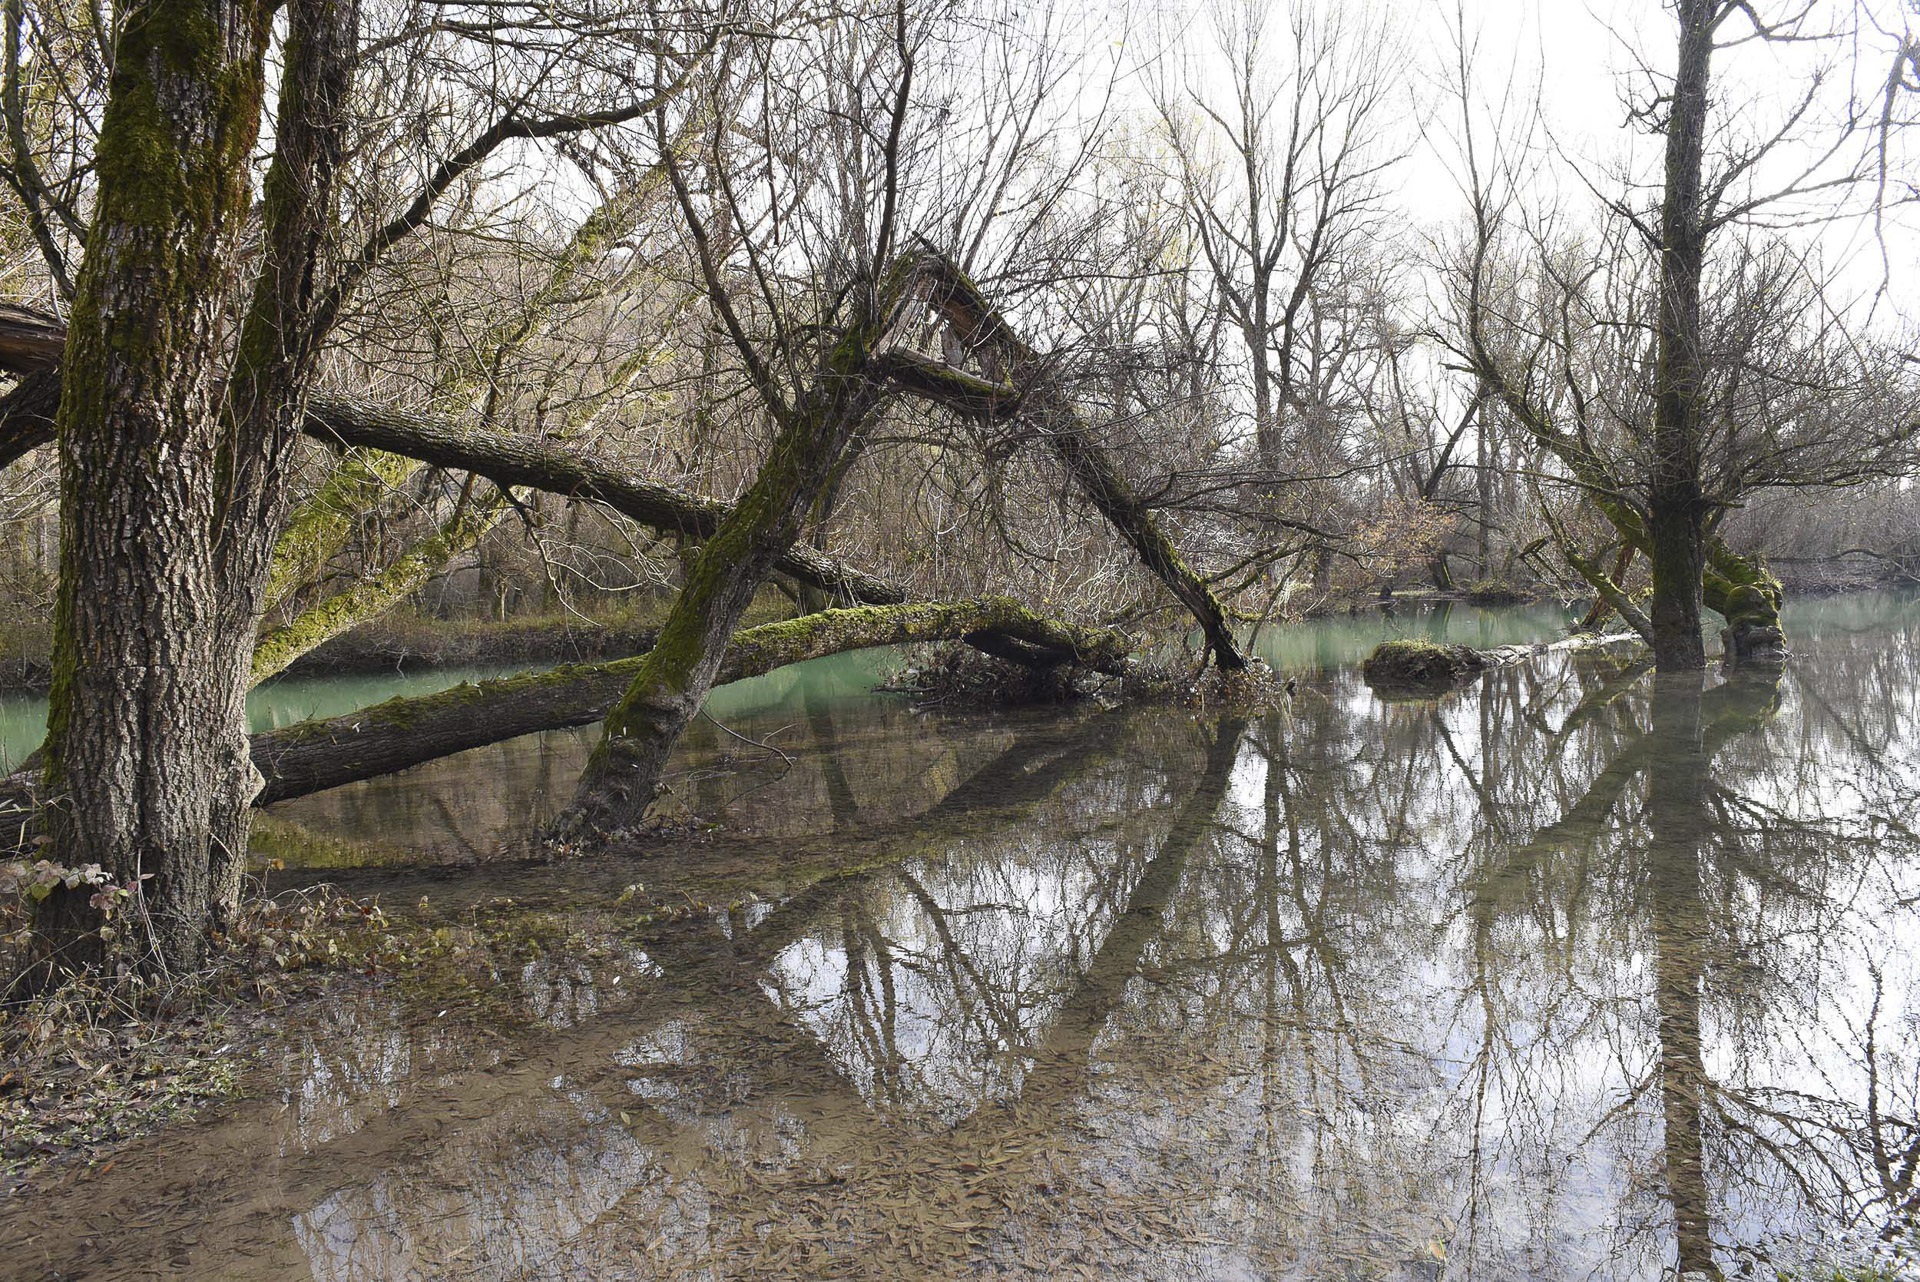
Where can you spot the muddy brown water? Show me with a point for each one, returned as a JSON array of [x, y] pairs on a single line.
[[1574, 974]]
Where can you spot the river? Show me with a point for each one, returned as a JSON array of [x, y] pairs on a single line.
[[1575, 973]]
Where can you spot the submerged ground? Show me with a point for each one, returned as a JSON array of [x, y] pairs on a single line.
[[1574, 973]]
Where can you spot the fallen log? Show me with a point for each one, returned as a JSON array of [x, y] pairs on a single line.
[[407, 731], [411, 730]]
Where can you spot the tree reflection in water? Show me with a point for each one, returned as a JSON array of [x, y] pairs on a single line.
[[1578, 973]]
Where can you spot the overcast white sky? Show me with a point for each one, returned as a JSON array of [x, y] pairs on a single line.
[[1582, 55]]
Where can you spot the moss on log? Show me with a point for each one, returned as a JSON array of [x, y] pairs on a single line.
[[1743, 592], [321, 526], [403, 732], [373, 597], [1422, 667]]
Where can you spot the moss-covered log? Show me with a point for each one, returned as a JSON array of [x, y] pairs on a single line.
[[1413, 668], [407, 731], [1420, 665]]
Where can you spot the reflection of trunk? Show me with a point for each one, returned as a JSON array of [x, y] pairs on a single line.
[[841, 802], [1679, 821], [1064, 1059]]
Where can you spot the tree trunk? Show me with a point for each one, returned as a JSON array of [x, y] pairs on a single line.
[[372, 597], [266, 395], [141, 717], [1676, 505], [508, 461], [624, 771]]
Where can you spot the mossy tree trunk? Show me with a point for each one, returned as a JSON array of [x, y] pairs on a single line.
[[173, 481], [140, 723], [469, 523], [815, 431]]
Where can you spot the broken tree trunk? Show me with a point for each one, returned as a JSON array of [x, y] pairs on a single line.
[[1422, 669], [1028, 391]]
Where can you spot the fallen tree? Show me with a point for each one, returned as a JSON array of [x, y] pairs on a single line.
[[510, 462], [409, 731], [1019, 383]]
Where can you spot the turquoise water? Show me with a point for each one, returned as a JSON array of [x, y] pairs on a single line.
[[23, 717]]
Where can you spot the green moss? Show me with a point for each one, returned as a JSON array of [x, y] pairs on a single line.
[[1420, 665], [323, 524], [367, 600]]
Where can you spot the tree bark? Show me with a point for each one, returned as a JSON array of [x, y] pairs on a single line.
[[278, 347], [140, 723], [1676, 504]]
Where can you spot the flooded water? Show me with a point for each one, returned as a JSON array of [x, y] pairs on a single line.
[[1573, 974]]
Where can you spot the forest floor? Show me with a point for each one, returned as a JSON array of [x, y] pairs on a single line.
[[88, 1069]]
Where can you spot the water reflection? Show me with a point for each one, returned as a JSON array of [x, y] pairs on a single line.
[[1577, 973]]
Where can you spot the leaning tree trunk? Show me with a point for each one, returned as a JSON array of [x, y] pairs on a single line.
[[1018, 383], [140, 721], [1676, 506], [624, 772]]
